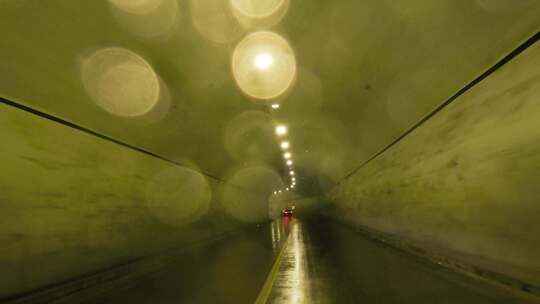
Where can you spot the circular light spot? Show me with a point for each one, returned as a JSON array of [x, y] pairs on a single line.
[[178, 196], [245, 195], [137, 6], [120, 81], [257, 8], [264, 65], [281, 130], [214, 20], [263, 61], [248, 136], [147, 18], [259, 13]]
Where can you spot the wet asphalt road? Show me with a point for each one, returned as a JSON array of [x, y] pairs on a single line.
[[231, 270], [327, 262], [321, 262]]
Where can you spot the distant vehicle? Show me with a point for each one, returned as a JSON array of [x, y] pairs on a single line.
[[287, 212]]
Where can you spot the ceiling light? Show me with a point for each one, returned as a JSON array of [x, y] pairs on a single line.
[[285, 145], [264, 61], [281, 130]]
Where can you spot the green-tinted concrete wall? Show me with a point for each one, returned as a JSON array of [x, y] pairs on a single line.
[[465, 183], [367, 70], [73, 203]]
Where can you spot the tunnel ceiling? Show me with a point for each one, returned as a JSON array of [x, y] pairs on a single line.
[[363, 72]]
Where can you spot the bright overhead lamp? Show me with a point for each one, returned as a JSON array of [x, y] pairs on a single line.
[[281, 130], [264, 61]]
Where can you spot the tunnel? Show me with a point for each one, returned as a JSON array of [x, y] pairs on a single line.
[[269, 151]]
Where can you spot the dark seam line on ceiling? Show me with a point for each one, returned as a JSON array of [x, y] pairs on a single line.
[[528, 43], [94, 133]]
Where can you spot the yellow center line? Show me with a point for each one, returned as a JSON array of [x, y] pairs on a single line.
[[269, 283]]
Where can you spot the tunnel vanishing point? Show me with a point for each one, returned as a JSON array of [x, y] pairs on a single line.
[[269, 151]]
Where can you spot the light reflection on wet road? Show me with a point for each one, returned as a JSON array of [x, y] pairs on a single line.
[[326, 262], [305, 275], [321, 262], [291, 284]]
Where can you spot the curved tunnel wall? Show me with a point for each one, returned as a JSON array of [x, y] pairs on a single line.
[[464, 183], [367, 70], [74, 204]]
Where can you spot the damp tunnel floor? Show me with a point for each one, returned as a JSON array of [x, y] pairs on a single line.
[[294, 260], [269, 151]]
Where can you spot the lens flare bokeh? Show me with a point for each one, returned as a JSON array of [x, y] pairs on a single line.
[[246, 194], [178, 196], [259, 14], [264, 65], [120, 81], [147, 18], [248, 136], [214, 20]]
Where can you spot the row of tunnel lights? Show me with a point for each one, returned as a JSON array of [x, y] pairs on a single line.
[[281, 131], [264, 61]]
